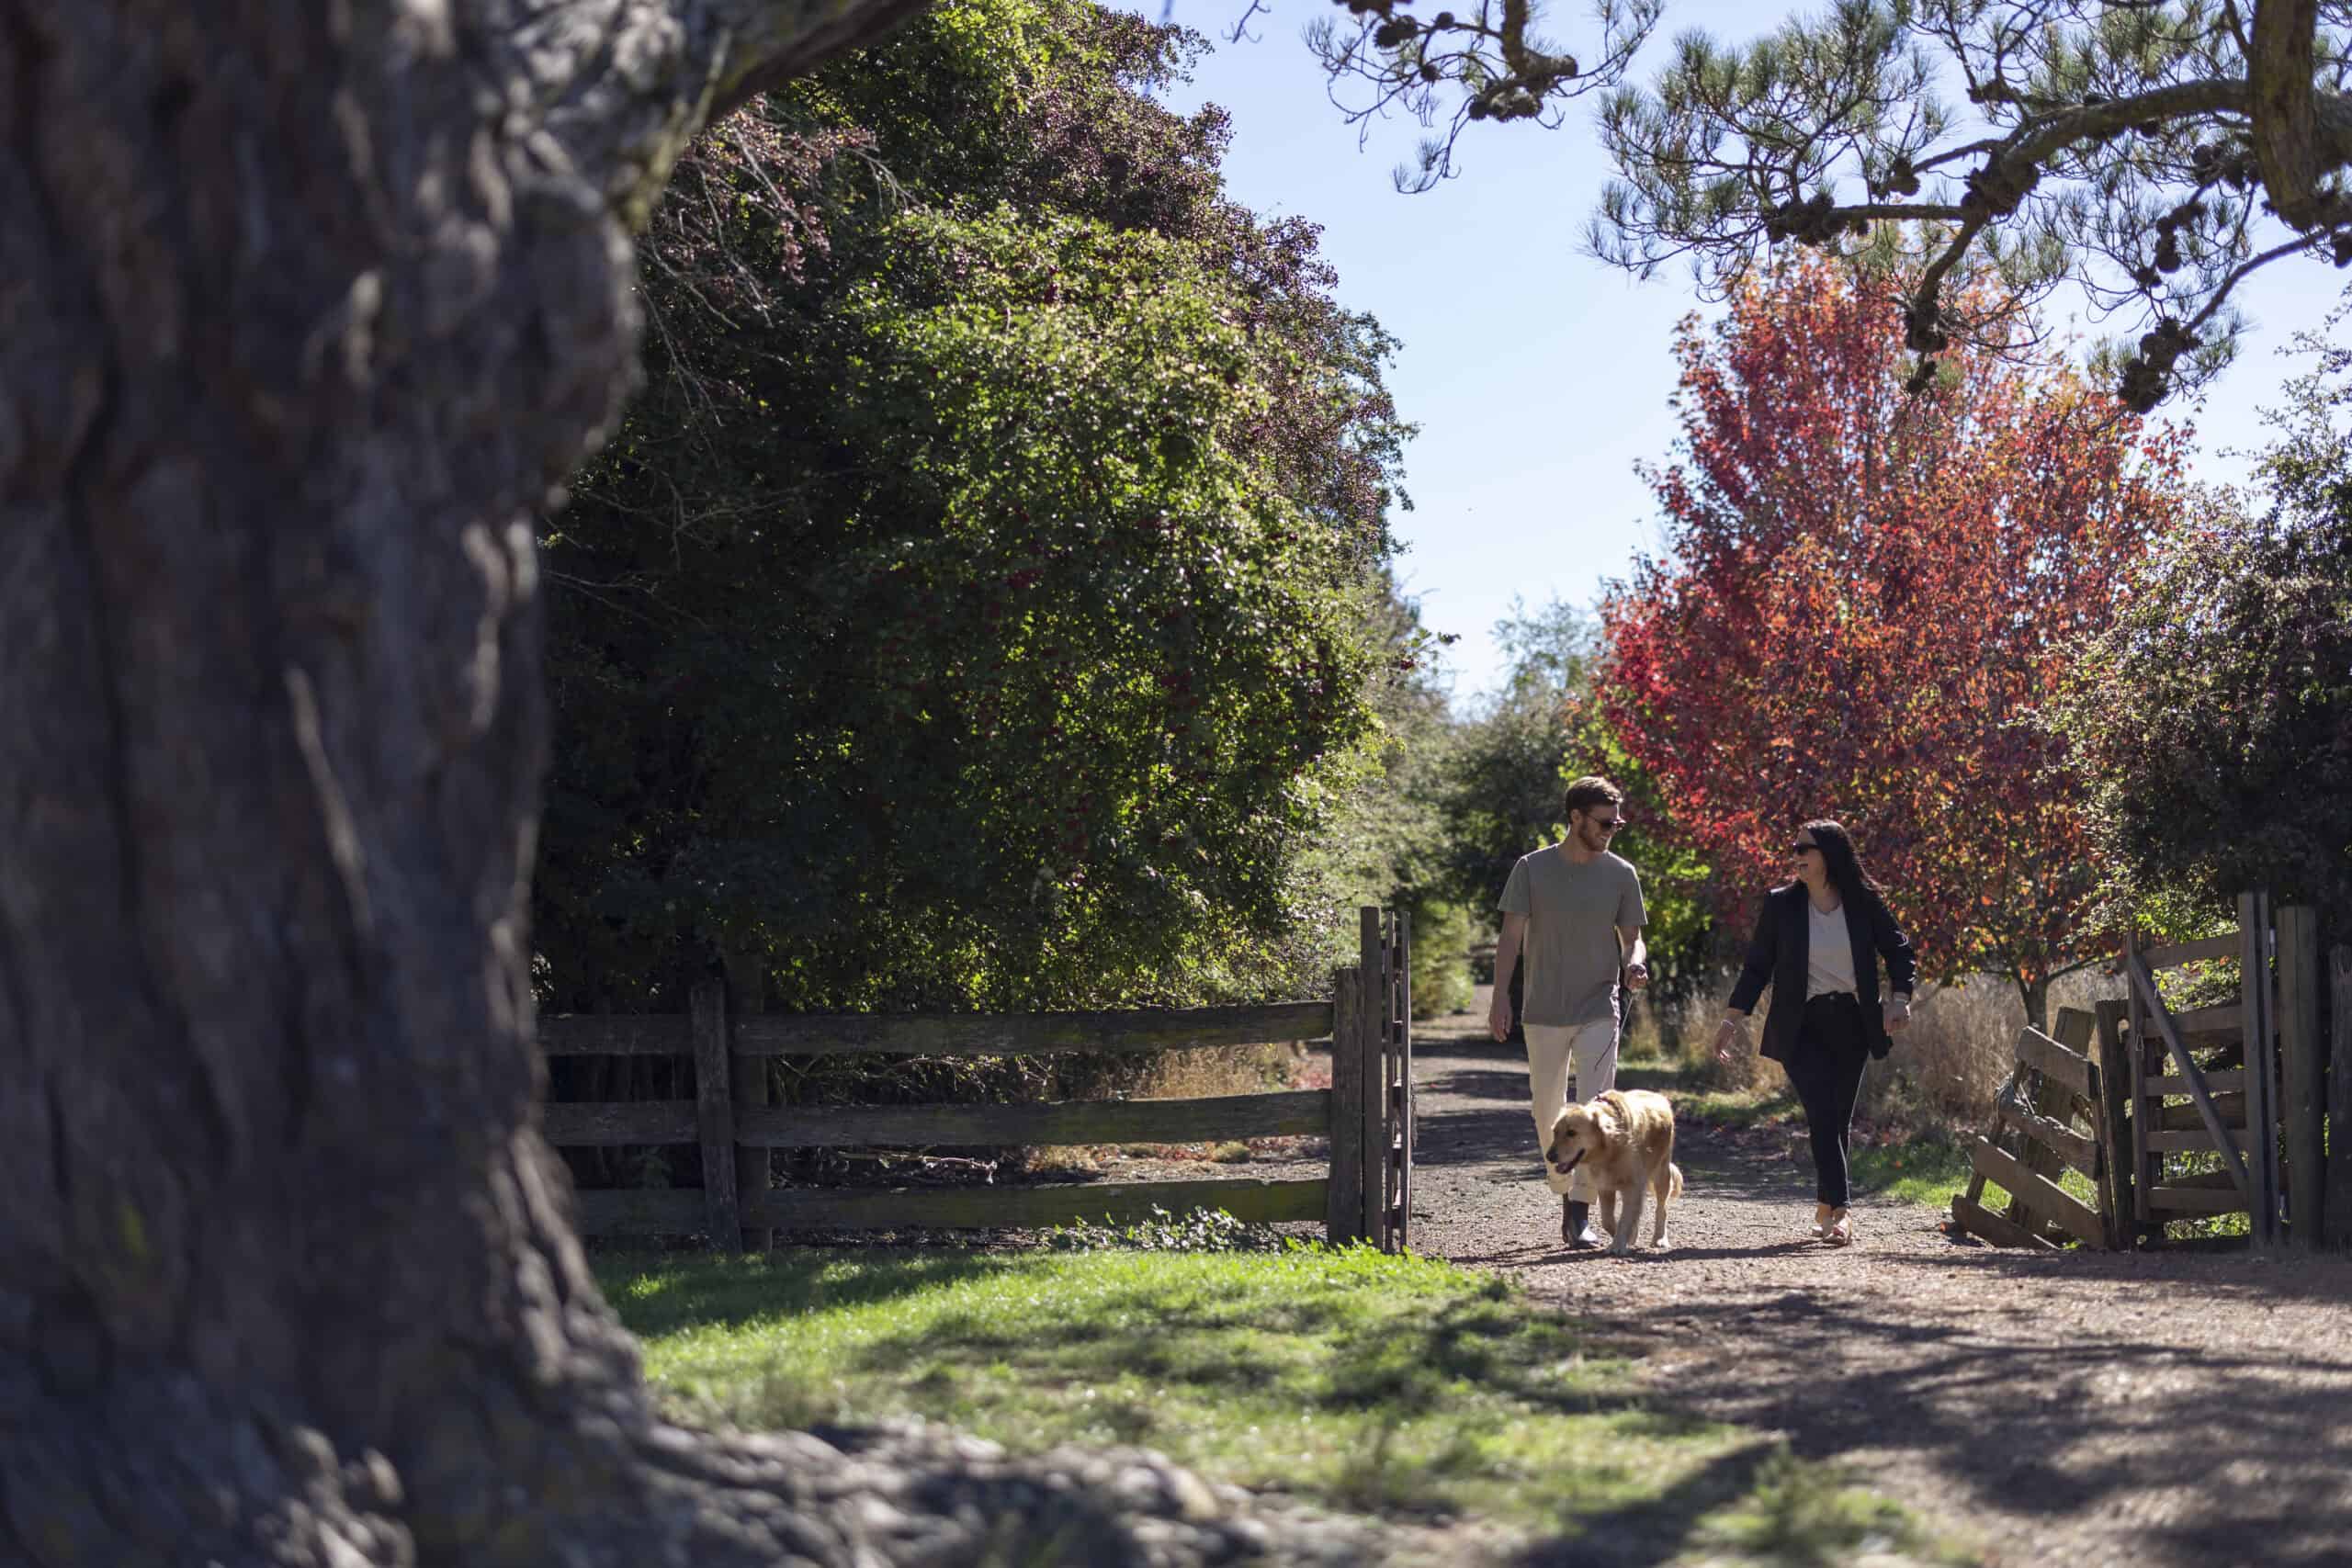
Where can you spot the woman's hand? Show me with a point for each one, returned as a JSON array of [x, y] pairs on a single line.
[[1636, 975], [1728, 1033], [1898, 1014]]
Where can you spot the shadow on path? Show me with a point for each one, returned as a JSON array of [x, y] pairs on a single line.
[[2090, 1408]]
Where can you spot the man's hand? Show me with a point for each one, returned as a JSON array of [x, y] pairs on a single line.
[[1499, 1016], [1898, 1014], [1636, 975]]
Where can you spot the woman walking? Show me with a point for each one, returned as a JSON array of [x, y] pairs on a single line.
[[1818, 942]]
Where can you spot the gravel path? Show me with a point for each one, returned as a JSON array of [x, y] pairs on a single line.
[[2076, 1408]]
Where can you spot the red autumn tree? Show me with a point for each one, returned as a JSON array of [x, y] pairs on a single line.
[[1864, 597]]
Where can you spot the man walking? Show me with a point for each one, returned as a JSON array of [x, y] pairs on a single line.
[[1576, 911]]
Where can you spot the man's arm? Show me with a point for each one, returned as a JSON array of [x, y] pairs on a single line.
[[1507, 946], [1637, 956]]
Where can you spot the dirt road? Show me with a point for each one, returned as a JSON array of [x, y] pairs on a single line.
[[2077, 1409]]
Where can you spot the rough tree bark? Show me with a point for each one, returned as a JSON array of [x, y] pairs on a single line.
[[305, 305]]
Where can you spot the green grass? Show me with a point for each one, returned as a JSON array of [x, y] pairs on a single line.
[[1393, 1385]]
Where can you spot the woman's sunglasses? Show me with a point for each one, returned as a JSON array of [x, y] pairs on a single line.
[[1800, 849]]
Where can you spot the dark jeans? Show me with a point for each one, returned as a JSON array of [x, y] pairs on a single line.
[[1826, 1069]]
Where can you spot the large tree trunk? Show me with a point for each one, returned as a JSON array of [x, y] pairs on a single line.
[[305, 306]]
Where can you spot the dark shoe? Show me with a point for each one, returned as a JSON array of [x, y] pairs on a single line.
[[1576, 1224]]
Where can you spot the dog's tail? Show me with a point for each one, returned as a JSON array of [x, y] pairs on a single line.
[[1673, 1180]]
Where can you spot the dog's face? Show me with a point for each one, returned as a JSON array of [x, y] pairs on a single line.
[[1580, 1133]]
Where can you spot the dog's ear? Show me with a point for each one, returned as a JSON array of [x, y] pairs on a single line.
[[1604, 1119]]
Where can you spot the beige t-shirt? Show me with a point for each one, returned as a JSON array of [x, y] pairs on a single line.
[[1828, 951], [1572, 914]]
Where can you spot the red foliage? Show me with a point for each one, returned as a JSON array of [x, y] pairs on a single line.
[[1865, 598]]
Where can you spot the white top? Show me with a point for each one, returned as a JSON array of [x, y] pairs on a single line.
[[1829, 952]]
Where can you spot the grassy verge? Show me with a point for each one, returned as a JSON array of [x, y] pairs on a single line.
[[1393, 1386]]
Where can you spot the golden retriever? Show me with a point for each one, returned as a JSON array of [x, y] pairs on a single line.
[[1624, 1139]]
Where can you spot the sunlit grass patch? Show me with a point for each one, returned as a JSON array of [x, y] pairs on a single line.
[[1395, 1385]]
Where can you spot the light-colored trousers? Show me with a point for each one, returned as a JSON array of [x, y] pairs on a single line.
[[1551, 1050]]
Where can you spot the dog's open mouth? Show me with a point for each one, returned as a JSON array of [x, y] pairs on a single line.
[[1571, 1163]]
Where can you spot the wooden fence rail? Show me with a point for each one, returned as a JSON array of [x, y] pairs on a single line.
[[1366, 1115]]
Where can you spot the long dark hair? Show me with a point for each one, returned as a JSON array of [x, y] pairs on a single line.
[[1846, 872]]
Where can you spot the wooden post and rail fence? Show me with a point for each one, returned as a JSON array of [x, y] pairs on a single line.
[[1367, 1113], [2136, 1097]]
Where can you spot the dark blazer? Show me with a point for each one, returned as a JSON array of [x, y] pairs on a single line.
[[1777, 954]]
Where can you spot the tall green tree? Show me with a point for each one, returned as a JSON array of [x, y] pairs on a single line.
[[2214, 720], [2158, 153], [972, 611]]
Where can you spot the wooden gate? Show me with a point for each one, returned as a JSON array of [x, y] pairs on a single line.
[[2231, 1091], [2054, 1085], [1386, 962]]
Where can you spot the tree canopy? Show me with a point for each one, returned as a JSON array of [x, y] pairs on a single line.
[[983, 603], [1867, 599], [2215, 716], [2157, 153]]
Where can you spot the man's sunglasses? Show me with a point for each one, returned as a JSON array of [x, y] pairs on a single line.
[[1607, 824]]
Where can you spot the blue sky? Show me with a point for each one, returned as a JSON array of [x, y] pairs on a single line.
[[1538, 375]]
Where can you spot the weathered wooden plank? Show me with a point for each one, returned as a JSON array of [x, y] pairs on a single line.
[[715, 1114], [2172, 1198], [747, 998], [1220, 1117], [968, 1208], [2058, 1075], [2077, 1149], [2177, 954], [2145, 1056], [616, 1034], [652, 1211], [2221, 1021], [2054, 1061], [2114, 1121], [1014, 1034], [2260, 1033], [2047, 1199], [2339, 1096], [1343, 1219], [2302, 1068], [2187, 1141], [589, 1123], [1370, 1042], [2219, 1080], [2180, 1118], [1977, 1220], [2192, 1076]]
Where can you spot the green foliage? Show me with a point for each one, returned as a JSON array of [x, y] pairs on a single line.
[[970, 613], [1200, 1230], [1513, 765], [2215, 718], [1443, 932]]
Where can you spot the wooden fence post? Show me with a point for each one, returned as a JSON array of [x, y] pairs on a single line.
[[715, 1112], [2115, 1083], [2303, 1059], [1401, 950], [1344, 1217], [2339, 1203], [2257, 1000], [1371, 1038], [748, 1082]]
